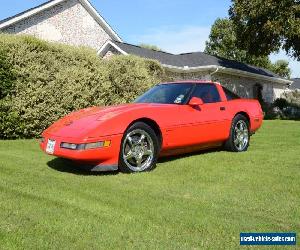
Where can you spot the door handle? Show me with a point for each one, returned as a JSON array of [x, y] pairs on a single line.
[[222, 108]]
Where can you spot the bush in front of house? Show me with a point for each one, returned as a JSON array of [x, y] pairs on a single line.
[[130, 76], [288, 106], [41, 82], [6, 75], [292, 97]]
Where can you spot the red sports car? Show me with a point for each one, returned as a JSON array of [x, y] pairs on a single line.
[[169, 119]]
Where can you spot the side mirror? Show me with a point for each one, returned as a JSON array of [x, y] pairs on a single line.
[[196, 101]]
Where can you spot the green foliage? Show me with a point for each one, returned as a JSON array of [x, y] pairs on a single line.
[[265, 26], [10, 124], [286, 107], [131, 76], [281, 68], [281, 103], [223, 42], [150, 46], [292, 97], [52, 80], [6, 75]]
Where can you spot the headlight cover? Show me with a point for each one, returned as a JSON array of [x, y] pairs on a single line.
[[69, 145], [85, 146]]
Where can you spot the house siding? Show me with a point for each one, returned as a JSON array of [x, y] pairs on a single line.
[[68, 22], [244, 86], [110, 52], [175, 76]]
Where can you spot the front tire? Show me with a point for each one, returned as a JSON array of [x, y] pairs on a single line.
[[139, 149], [239, 135]]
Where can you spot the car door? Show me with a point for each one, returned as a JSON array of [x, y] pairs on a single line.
[[205, 123]]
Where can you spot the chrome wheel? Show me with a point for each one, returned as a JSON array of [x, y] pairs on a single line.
[[241, 135], [138, 150]]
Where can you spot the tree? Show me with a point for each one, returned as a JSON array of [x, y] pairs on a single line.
[[281, 68], [223, 42], [150, 46], [265, 26]]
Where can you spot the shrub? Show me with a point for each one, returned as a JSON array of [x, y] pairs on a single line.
[[6, 74], [292, 97], [269, 112], [131, 76], [288, 106], [281, 103], [46, 81]]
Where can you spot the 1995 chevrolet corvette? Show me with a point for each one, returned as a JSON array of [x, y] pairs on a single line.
[[169, 119]]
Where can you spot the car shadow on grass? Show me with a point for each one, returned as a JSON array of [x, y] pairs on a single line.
[[67, 166], [164, 159]]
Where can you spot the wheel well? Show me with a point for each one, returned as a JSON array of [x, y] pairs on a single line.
[[153, 125], [246, 115]]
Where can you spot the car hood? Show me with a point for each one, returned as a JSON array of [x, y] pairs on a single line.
[[77, 124]]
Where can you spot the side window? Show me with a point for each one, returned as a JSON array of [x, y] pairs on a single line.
[[207, 92], [230, 95]]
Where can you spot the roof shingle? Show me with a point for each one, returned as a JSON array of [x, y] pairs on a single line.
[[195, 59], [24, 12]]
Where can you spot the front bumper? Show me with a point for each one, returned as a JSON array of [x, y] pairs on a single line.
[[106, 157]]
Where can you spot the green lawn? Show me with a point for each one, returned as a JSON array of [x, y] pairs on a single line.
[[199, 201]]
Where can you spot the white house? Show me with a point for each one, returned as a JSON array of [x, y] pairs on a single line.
[[296, 84], [77, 22]]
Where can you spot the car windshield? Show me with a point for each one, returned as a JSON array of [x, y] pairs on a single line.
[[172, 93]]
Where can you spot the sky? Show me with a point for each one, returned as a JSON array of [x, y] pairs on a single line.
[[176, 26]]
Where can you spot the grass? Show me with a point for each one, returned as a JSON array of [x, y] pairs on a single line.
[[198, 201]]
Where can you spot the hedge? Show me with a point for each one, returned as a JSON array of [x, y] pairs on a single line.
[[41, 82], [287, 107]]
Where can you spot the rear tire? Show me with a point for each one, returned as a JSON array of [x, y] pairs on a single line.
[[239, 138], [139, 149]]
